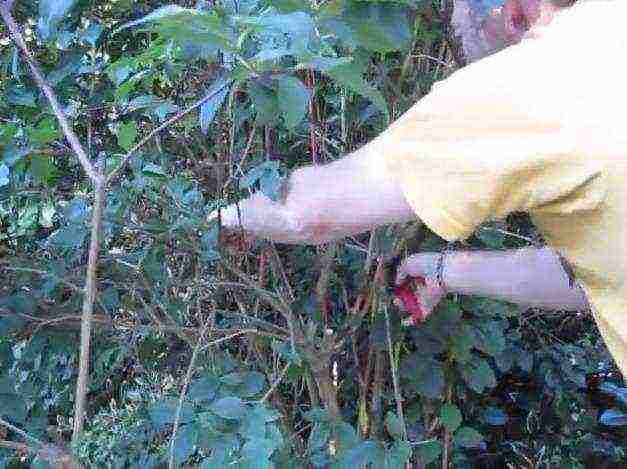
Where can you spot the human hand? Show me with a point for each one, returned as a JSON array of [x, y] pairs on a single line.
[[417, 289]]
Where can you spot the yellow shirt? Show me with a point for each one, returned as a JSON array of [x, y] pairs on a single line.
[[539, 127]]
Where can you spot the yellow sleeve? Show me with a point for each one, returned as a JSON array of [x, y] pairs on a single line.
[[458, 171]]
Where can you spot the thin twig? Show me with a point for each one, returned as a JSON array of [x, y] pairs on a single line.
[[276, 383], [117, 171], [188, 377], [21, 432], [45, 273], [397, 390]]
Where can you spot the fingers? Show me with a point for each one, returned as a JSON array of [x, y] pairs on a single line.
[[421, 265]]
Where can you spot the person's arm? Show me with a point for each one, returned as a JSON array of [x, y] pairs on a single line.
[[325, 203], [529, 276]]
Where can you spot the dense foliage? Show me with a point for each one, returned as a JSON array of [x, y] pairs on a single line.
[[210, 352]]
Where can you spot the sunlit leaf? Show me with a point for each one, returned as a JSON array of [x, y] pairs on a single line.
[[613, 418], [127, 133], [4, 175], [51, 13]]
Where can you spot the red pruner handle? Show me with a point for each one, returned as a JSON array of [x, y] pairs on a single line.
[[410, 299]]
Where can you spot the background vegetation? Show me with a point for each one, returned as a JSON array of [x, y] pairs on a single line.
[[212, 352]]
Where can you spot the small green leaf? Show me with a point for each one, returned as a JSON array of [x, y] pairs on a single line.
[[450, 416], [468, 437], [393, 425], [293, 100], [479, 376], [127, 133], [228, 407]]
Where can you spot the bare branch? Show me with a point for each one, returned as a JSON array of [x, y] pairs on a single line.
[[16, 35], [88, 303], [117, 171]]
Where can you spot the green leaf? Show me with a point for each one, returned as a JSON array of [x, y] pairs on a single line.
[[127, 133], [425, 375], [228, 407], [164, 413], [492, 340], [219, 89], [12, 407], [265, 102], [463, 342], [350, 75], [69, 237], [187, 25], [613, 418], [451, 416], [203, 389], [428, 451], [43, 169], [379, 27], [393, 425], [398, 455], [468, 437], [253, 383], [51, 13], [479, 376], [256, 454], [293, 100], [121, 69], [45, 131], [4, 175], [297, 26]]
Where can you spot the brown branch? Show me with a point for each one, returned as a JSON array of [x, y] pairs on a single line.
[[88, 303], [16, 35], [117, 171]]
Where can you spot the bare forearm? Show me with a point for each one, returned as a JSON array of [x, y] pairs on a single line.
[[326, 203], [530, 276]]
